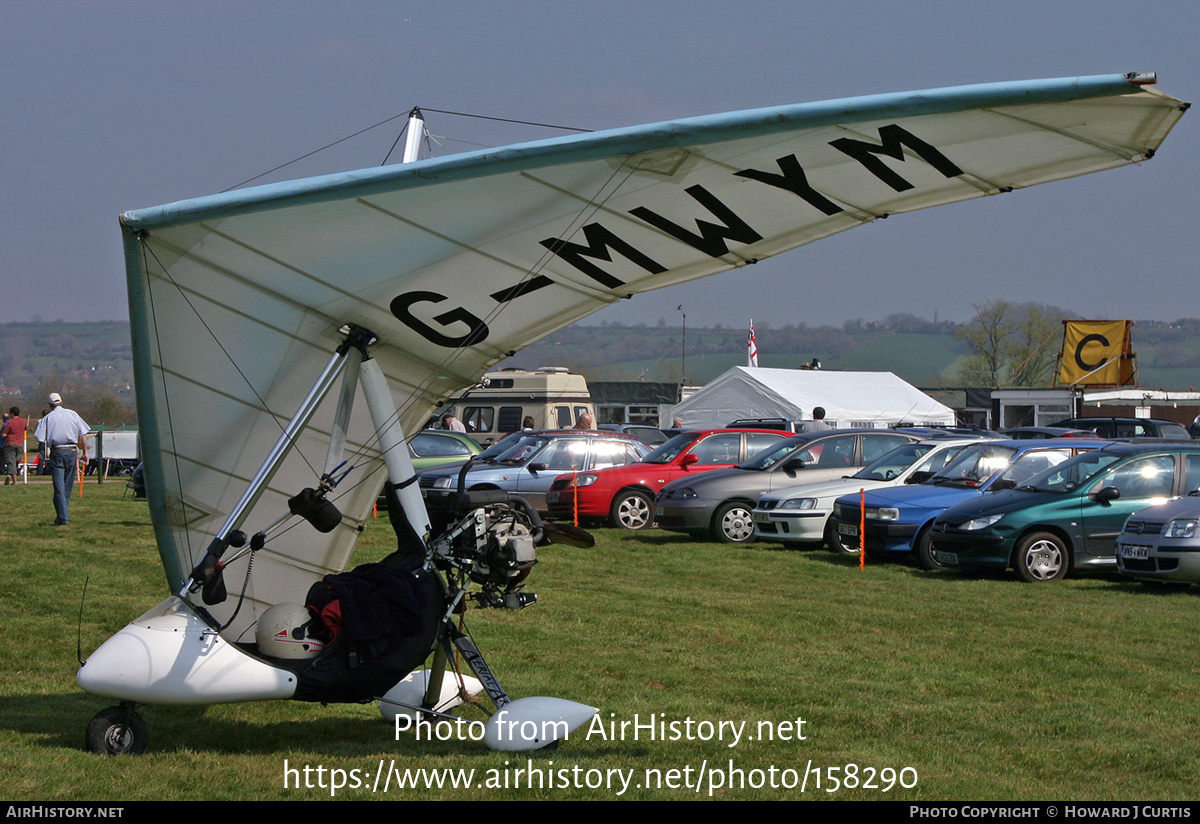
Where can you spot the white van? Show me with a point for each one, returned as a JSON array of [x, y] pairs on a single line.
[[552, 396]]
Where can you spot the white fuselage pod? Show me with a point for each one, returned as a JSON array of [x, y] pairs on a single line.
[[171, 655]]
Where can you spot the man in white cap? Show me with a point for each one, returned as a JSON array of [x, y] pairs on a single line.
[[62, 431]]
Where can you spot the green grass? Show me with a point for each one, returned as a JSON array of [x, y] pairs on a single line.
[[987, 687]]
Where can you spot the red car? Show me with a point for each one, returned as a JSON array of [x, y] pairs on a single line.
[[625, 494]]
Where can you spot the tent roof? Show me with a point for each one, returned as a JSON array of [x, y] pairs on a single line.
[[850, 398]]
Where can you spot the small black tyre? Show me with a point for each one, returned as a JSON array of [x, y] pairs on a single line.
[[835, 543], [632, 509], [733, 524], [1041, 556], [923, 546], [117, 731]]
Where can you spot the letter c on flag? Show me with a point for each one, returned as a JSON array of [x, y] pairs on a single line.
[[1100, 339]]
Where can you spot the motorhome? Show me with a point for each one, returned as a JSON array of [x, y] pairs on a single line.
[[552, 396]]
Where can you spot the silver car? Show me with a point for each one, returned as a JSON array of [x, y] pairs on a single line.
[[719, 503], [531, 464], [1161, 544]]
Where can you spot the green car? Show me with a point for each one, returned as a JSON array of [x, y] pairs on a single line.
[[1066, 518], [435, 447]]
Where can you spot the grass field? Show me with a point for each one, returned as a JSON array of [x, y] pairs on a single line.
[[985, 687]]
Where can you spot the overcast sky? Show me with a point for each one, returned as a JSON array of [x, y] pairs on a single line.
[[122, 104]]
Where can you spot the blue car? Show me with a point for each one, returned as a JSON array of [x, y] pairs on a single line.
[[898, 520]]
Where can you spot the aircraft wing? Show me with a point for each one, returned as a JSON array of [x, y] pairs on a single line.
[[454, 263]]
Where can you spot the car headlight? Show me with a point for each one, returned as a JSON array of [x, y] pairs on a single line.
[[980, 523], [886, 513], [686, 492], [799, 503], [586, 479], [444, 482], [1182, 528]]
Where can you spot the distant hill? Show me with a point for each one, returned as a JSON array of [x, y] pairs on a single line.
[[91, 364], [1168, 353], [94, 361]]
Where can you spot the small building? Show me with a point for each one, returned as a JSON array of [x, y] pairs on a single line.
[[1043, 407], [643, 402]]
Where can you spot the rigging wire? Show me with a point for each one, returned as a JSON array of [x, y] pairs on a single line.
[[384, 122], [506, 120], [315, 151]]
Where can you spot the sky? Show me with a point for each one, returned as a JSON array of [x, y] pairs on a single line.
[[124, 104]]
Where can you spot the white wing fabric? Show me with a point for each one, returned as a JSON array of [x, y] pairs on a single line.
[[237, 299]]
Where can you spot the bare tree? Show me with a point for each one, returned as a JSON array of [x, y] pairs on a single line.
[[1011, 344]]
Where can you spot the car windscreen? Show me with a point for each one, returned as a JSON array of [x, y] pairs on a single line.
[[894, 462], [769, 458], [1072, 473], [500, 447], [523, 450], [670, 450], [976, 465]]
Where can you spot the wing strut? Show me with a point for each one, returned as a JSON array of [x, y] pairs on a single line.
[[352, 359]]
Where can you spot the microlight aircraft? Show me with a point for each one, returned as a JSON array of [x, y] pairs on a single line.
[[411, 280]]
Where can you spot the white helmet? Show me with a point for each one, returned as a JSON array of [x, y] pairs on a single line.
[[283, 632]]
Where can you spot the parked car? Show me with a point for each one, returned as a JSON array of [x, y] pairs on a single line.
[[1036, 433], [1128, 427], [1067, 518], [435, 447], [532, 463], [719, 503], [625, 494], [1161, 544], [800, 514], [898, 520], [782, 424], [646, 434]]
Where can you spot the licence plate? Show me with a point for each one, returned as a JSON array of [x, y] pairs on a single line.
[[761, 517], [1137, 553], [848, 529], [946, 557], [551, 497]]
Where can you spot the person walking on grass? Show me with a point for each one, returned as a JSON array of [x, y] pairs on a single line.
[[62, 431], [14, 444]]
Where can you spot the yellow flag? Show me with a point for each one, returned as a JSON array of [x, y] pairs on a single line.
[[1097, 353]]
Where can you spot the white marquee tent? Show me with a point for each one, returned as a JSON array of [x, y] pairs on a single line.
[[851, 399]]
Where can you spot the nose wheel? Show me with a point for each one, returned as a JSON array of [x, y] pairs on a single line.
[[117, 730]]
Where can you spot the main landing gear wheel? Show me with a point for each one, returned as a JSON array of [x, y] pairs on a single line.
[[633, 510], [1042, 556], [732, 524], [117, 731]]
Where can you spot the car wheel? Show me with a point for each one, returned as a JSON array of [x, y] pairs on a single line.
[[923, 546], [835, 543], [732, 523], [632, 510], [1042, 556]]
